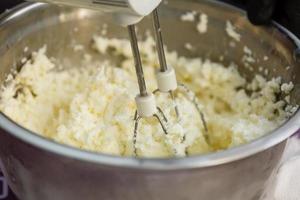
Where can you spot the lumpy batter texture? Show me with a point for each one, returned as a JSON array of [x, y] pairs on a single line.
[[92, 107]]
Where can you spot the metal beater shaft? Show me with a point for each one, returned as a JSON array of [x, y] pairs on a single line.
[[159, 42], [137, 60]]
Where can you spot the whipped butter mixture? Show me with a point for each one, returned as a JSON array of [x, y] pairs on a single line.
[[92, 107]]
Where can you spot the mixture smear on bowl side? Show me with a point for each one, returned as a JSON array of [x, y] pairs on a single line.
[[92, 107]]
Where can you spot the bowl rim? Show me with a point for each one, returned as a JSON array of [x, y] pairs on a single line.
[[197, 161]]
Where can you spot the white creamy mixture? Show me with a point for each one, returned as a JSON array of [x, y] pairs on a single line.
[[92, 107], [231, 31], [202, 25]]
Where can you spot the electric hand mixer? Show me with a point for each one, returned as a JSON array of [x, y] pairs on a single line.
[[128, 13]]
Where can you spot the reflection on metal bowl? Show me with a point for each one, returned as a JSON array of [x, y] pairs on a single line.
[[37, 168]]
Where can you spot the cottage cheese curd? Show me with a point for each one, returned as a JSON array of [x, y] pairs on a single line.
[[92, 107]]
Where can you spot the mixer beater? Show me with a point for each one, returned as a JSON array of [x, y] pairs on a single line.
[[166, 77], [166, 81], [145, 102]]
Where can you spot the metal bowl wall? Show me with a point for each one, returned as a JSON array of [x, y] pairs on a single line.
[[41, 169]]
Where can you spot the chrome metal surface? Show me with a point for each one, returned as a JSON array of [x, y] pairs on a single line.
[[41, 169], [102, 5], [119, 3], [159, 41], [126, 12], [137, 60]]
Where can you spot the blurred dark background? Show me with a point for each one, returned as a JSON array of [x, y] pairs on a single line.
[[6, 4]]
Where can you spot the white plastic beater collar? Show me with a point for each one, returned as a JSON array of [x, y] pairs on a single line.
[[146, 105], [139, 8], [143, 7], [166, 81]]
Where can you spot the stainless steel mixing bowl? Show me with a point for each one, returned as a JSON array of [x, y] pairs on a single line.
[[37, 168]]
